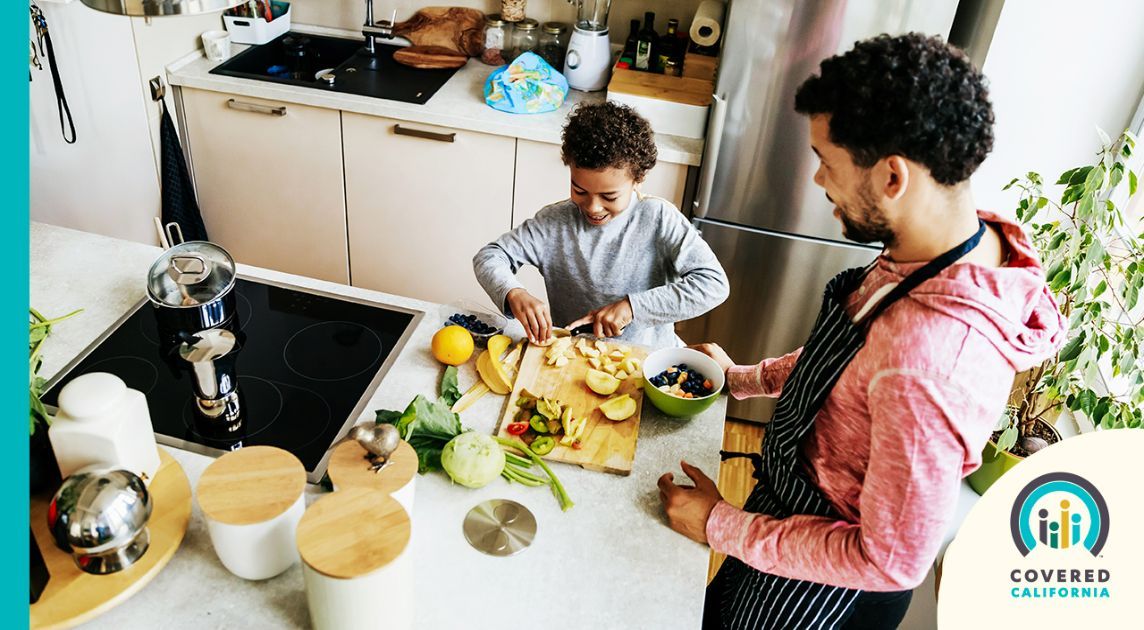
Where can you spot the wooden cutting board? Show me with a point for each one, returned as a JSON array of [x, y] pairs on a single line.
[[430, 57], [607, 446], [456, 28]]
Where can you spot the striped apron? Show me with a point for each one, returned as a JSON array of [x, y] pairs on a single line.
[[749, 599]]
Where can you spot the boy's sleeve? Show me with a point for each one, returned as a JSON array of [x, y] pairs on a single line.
[[496, 264], [701, 286]]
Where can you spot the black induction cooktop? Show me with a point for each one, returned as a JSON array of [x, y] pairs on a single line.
[[307, 364], [298, 58]]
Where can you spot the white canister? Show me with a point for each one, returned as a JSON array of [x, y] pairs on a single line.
[[357, 561], [252, 500], [349, 468], [102, 422]]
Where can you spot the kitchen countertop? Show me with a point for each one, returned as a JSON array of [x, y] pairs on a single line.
[[460, 103], [609, 562]]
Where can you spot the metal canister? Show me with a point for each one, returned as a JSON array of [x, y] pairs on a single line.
[[101, 516]]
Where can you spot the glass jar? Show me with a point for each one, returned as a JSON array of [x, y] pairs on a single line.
[[498, 40], [513, 10], [524, 37], [554, 44]]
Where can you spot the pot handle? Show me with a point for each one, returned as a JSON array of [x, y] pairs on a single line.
[[188, 268], [174, 234]]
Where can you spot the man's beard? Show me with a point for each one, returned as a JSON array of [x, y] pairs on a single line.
[[871, 225]]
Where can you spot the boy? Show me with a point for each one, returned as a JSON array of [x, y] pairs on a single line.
[[629, 265]]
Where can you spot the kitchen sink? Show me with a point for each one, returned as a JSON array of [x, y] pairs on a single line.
[[335, 64]]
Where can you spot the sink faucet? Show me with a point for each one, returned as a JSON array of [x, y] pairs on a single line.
[[372, 30]]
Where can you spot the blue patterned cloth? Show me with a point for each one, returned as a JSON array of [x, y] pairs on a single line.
[[528, 85]]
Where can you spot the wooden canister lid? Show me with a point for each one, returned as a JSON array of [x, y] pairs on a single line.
[[353, 532], [350, 469], [251, 485]]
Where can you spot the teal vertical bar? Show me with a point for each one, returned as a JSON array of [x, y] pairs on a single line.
[[14, 22]]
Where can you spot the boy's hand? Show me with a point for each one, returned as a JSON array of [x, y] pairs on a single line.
[[531, 313], [608, 321], [716, 352]]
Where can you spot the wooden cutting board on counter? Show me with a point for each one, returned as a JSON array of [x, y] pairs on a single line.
[[607, 446]]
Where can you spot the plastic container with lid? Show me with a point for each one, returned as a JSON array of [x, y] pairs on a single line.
[[349, 468], [525, 37], [357, 562], [252, 500], [103, 422], [553, 44]]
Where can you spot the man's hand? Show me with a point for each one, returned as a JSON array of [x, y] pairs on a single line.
[[608, 321], [717, 353], [531, 313], [688, 507]]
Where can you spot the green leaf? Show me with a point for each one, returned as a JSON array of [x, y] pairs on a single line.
[[1065, 176], [1007, 439], [1079, 175], [387, 416], [427, 426], [1104, 139], [1131, 183], [450, 392], [1101, 287], [1072, 348], [1095, 179], [1132, 294], [1011, 184]]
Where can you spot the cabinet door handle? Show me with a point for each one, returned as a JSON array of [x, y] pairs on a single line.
[[428, 135], [257, 108]]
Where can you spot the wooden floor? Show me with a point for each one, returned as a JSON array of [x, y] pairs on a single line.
[[735, 480]]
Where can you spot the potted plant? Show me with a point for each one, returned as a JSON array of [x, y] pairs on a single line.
[[1094, 265], [43, 472]]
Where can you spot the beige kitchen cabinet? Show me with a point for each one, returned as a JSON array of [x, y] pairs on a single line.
[[541, 179], [420, 201], [269, 181]]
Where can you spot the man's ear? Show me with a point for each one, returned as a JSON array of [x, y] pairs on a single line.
[[891, 177]]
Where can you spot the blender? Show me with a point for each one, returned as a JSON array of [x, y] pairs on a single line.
[[588, 63]]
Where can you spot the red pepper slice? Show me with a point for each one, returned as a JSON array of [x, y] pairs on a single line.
[[517, 428]]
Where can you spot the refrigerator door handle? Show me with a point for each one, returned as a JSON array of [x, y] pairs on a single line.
[[715, 123]]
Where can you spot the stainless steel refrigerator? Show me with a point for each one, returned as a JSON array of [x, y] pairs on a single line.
[[757, 204]]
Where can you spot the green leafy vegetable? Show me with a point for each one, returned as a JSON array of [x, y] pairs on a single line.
[[428, 426], [450, 392], [39, 327]]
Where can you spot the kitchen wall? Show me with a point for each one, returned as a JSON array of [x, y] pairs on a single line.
[[108, 181], [1058, 70], [351, 13]]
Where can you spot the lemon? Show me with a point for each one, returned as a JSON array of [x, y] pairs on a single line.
[[452, 345]]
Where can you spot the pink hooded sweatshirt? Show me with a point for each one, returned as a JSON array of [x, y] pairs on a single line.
[[906, 421]]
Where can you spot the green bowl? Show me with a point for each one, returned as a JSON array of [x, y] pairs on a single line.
[[660, 360]]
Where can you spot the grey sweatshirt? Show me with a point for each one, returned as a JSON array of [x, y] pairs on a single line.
[[649, 253]]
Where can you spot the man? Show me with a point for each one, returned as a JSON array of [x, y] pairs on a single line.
[[889, 403]]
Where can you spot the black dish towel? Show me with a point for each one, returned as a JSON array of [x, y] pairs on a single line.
[[179, 203]]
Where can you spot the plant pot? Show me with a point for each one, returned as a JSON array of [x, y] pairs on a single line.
[[995, 463], [43, 471]]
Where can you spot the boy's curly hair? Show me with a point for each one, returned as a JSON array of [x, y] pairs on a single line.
[[911, 95], [608, 135]]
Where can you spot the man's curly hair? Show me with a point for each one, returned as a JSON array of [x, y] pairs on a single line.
[[911, 95], [608, 135]]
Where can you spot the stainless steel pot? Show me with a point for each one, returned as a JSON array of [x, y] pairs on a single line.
[[192, 286], [101, 516]]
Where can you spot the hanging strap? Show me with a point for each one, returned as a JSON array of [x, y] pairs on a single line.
[[927, 271], [67, 125]]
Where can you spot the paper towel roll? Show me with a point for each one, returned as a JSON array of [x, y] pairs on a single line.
[[707, 24]]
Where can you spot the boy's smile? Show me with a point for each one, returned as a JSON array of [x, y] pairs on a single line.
[[603, 194]]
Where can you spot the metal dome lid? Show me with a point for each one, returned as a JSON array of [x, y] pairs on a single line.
[[99, 511]]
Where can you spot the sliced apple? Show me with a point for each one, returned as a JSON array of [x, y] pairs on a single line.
[[610, 368], [602, 383], [602, 346], [561, 361], [621, 374], [595, 362], [619, 408]]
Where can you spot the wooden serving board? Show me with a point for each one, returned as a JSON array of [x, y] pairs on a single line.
[[71, 596], [607, 446]]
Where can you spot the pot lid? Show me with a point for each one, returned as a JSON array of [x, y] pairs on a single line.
[[191, 273]]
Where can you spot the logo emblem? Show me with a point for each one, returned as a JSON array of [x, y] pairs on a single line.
[[1059, 511]]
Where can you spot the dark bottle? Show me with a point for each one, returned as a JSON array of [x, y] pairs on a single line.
[[646, 43], [630, 44], [667, 51], [39, 570]]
